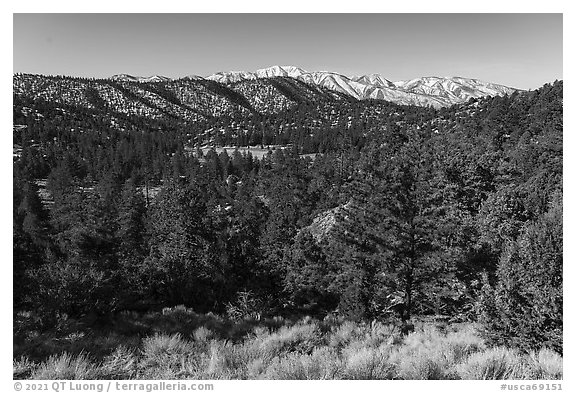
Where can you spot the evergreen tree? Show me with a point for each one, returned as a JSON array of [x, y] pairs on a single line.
[[130, 237], [309, 276], [181, 266], [398, 225], [525, 306]]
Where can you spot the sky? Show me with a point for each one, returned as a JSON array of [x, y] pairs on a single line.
[[517, 50]]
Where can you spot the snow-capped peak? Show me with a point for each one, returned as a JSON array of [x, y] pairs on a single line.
[[424, 91], [231, 76], [430, 90], [130, 78], [374, 79], [453, 88], [290, 71], [193, 77]]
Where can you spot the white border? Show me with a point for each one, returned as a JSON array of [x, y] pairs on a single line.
[[305, 6]]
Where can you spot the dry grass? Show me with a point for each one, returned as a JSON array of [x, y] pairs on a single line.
[[209, 347]]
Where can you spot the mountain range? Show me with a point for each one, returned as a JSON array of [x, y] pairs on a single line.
[[271, 105], [425, 91]]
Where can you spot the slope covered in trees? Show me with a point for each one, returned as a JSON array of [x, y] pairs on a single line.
[[404, 211]]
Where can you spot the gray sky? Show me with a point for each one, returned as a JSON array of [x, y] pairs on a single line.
[[518, 50]]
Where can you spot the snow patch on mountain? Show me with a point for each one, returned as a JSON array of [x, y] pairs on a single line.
[[434, 91], [131, 78], [427, 91]]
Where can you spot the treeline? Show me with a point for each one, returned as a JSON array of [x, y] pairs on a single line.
[[458, 215]]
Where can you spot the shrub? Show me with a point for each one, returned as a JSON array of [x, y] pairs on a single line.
[[496, 363], [462, 343], [74, 288], [260, 331], [380, 333], [245, 306], [227, 361], [256, 368], [342, 335], [322, 363], [179, 312], [65, 366], [428, 354], [343, 350], [120, 364], [544, 364], [299, 338], [164, 354], [164, 344], [203, 334], [420, 366], [367, 363], [22, 368]]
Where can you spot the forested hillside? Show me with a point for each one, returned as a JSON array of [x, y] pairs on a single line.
[[403, 212]]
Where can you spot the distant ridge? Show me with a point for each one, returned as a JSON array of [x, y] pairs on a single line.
[[130, 78], [434, 91], [425, 91]]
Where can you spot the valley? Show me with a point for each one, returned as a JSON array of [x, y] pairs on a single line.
[[268, 209]]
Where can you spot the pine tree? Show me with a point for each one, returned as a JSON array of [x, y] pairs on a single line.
[[30, 237], [182, 264], [34, 222], [130, 237], [397, 224], [309, 275]]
